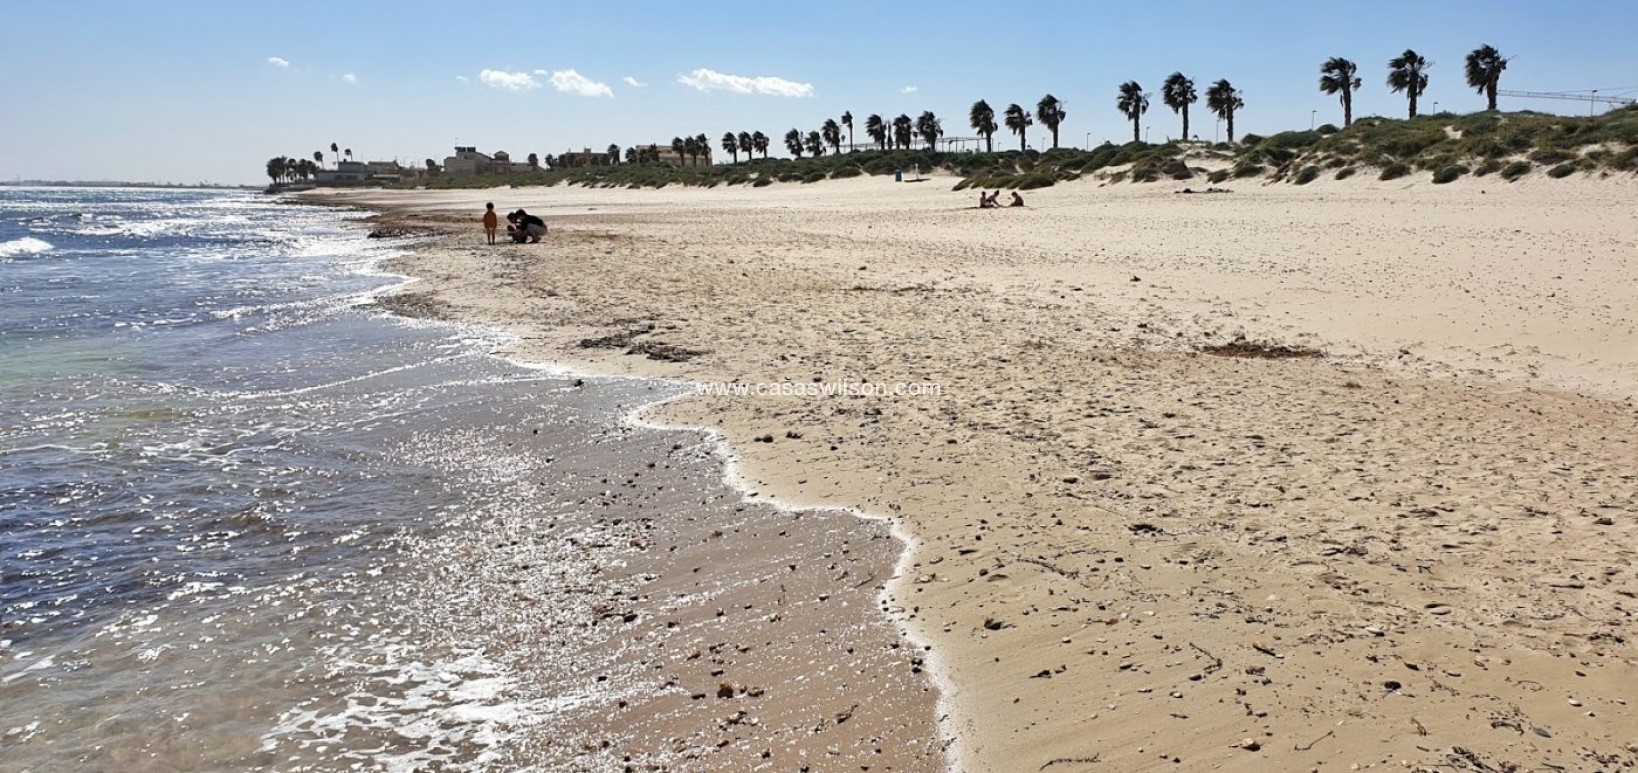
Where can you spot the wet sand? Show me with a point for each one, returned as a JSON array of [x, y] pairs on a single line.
[[1412, 551]]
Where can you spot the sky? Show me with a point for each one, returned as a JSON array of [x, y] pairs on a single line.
[[206, 91]]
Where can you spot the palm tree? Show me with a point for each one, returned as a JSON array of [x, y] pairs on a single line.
[[335, 152], [349, 153], [1408, 72], [318, 157], [1178, 93], [877, 130], [275, 168], [929, 128], [1337, 77], [1223, 100], [902, 131], [832, 134], [1133, 103], [631, 155], [534, 161], [613, 151], [760, 142], [982, 118], [678, 147], [730, 143], [1484, 69], [793, 142], [745, 144], [702, 147], [1018, 122], [815, 143], [847, 120], [1051, 112]]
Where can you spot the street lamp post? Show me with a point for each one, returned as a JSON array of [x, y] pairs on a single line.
[[1146, 134], [1313, 117], [1089, 140]]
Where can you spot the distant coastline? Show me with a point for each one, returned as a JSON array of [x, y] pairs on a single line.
[[121, 184]]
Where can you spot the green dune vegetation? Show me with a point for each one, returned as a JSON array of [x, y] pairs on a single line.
[[1442, 147]]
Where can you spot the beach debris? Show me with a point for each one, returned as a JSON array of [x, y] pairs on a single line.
[[1070, 761], [1310, 744], [1243, 348], [1249, 744], [664, 352], [725, 690]]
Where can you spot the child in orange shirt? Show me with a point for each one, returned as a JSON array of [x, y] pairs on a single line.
[[491, 222]]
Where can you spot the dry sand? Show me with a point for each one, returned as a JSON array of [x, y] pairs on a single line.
[[1414, 551]]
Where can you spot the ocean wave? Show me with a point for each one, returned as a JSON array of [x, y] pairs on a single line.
[[27, 245]]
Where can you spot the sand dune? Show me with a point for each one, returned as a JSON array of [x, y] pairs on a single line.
[[1415, 550]]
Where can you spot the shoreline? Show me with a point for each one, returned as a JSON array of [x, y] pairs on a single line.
[[620, 228]]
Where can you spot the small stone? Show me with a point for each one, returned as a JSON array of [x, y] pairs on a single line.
[[1249, 744]]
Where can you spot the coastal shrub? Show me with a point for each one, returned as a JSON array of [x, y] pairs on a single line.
[[1489, 167], [762, 182], [1328, 128], [1449, 174], [1394, 171], [1249, 140], [1335, 162], [1626, 161], [1345, 172], [1279, 155], [1218, 176], [1244, 170], [1546, 156], [1118, 176], [1030, 182], [1562, 170], [1307, 175], [846, 172], [1145, 174], [1516, 170]]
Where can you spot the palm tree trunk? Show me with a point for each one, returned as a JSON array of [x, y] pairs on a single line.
[[1490, 91], [1413, 105], [1137, 136], [1231, 127], [1021, 140], [1347, 108], [989, 142], [1185, 123]]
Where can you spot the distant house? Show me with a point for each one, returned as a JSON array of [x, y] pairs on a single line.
[[672, 157], [586, 157], [345, 173], [466, 161]]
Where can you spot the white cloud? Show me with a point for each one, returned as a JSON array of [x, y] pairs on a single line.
[[349, 79], [710, 80], [463, 79], [908, 90], [283, 64], [571, 82], [634, 83], [508, 81]]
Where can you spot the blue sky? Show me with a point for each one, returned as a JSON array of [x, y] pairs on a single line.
[[168, 90]]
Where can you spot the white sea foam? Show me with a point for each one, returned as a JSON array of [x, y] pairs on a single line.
[[27, 245]]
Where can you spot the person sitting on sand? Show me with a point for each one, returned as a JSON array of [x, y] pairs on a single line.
[[995, 198], [983, 200], [1017, 200], [529, 227]]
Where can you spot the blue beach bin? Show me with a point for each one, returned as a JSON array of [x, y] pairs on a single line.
[[898, 175]]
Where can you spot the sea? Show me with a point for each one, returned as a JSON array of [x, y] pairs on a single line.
[[251, 521]]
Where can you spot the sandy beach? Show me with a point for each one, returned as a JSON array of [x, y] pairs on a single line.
[[1332, 477]]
